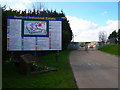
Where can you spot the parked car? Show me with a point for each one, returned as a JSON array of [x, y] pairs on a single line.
[[91, 46]]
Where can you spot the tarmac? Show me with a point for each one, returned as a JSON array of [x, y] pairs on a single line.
[[94, 69]]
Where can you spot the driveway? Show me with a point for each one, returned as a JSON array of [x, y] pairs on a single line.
[[94, 69]]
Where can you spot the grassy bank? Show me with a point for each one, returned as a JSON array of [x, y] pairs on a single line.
[[62, 78], [112, 49]]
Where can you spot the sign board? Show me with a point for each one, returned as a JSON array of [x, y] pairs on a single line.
[[25, 33]]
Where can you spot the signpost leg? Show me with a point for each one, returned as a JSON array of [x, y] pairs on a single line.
[[35, 53], [12, 56], [57, 55]]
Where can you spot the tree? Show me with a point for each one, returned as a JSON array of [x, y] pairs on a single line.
[[102, 37], [119, 36], [113, 37], [114, 33], [66, 33]]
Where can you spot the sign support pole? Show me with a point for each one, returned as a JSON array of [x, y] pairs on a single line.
[[35, 53], [57, 55], [12, 56]]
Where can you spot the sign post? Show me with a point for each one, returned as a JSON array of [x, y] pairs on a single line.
[[57, 52], [35, 53], [12, 56]]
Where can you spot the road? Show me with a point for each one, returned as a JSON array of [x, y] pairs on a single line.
[[94, 69]]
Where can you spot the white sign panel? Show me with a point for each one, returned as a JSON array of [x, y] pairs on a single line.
[[33, 33]]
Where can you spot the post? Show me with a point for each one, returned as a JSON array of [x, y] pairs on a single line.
[[57, 55], [35, 53], [12, 56]]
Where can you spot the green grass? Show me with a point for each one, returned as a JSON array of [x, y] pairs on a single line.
[[112, 49], [62, 78]]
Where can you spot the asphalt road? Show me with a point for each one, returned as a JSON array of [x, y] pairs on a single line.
[[94, 69]]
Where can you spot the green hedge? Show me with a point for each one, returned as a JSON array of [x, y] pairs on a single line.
[[112, 49]]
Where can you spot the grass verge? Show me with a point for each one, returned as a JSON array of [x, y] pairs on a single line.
[[112, 49], [62, 78]]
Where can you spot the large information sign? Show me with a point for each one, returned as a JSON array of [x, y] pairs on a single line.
[[26, 33]]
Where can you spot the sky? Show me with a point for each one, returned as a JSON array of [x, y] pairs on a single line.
[[86, 19]]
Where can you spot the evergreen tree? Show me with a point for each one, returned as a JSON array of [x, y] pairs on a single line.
[[113, 36], [119, 36]]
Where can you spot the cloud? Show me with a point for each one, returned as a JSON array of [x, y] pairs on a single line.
[[111, 26], [80, 25], [17, 4], [25, 1], [86, 31], [19, 7], [87, 36], [104, 13]]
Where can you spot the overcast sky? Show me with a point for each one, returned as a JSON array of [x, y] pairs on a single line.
[[86, 19]]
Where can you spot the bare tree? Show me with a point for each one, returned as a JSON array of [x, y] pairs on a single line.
[[102, 37], [38, 6]]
